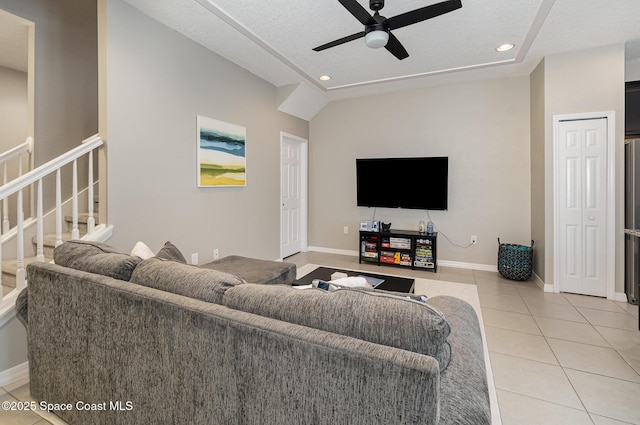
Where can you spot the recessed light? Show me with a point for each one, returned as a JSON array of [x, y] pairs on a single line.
[[324, 77], [504, 47]]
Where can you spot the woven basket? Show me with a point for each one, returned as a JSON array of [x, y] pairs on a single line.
[[515, 262]]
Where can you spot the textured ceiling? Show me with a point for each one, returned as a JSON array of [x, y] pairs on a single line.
[[274, 39]]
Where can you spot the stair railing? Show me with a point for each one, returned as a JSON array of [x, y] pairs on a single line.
[[5, 158], [87, 147]]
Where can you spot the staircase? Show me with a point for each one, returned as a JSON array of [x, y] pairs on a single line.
[[14, 256], [10, 267]]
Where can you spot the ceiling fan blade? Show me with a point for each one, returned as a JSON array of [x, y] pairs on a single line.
[[340, 41], [423, 14], [356, 10], [396, 48]]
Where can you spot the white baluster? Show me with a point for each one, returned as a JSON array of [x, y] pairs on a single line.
[[58, 209], [40, 226], [75, 233], [5, 205], [20, 274], [91, 222]]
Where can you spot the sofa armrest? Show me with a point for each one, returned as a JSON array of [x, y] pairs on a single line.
[[22, 307], [464, 393]]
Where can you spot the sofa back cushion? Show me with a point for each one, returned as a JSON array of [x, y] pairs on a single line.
[[367, 315], [184, 279], [95, 257]]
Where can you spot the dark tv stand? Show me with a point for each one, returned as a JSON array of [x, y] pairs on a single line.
[[399, 248]]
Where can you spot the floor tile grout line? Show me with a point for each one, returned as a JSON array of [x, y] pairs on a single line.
[[564, 372], [546, 338], [544, 400]]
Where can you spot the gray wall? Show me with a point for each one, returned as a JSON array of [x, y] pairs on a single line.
[[66, 76], [13, 124], [13, 344], [632, 70], [157, 83], [66, 101], [579, 82], [483, 127], [538, 169], [13, 108]]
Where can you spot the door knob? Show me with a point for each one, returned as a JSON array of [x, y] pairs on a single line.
[[592, 218]]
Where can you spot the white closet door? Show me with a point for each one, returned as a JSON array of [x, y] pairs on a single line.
[[582, 206]]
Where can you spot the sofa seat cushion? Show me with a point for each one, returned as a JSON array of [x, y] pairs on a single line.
[[184, 279], [95, 257], [367, 315], [255, 271]]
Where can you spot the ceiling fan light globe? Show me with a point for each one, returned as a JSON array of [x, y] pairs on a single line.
[[376, 39]]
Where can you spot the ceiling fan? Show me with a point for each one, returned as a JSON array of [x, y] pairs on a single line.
[[377, 28]]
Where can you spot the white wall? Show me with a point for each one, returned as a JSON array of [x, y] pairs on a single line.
[[157, 83], [483, 127]]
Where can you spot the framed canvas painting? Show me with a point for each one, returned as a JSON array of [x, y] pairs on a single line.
[[222, 159]]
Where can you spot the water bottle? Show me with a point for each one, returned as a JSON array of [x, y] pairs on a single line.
[[430, 228]]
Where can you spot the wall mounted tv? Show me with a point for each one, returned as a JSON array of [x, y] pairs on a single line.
[[413, 183]]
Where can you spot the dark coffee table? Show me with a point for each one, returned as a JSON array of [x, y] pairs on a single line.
[[391, 283]]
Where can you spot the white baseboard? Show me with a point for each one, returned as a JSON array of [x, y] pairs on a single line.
[[20, 371], [549, 287], [445, 263], [333, 251], [471, 266], [620, 296]]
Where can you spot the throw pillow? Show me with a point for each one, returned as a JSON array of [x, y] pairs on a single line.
[[370, 315], [184, 279], [171, 252], [140, 249], [95, 257]]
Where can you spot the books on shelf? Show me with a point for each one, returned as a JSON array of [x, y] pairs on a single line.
[[400, 243], [395, 257], [369, 248], [424, 254]]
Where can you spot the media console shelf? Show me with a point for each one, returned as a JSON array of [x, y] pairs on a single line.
[[400, 248]]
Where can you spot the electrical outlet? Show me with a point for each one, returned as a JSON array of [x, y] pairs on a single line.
[[216, 254], [474, 239], [346, 230], [194, 259]]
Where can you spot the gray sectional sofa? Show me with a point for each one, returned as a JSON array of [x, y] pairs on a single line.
[[128, 341]]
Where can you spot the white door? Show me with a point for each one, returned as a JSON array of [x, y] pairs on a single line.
[[291, 193], [582, 169]]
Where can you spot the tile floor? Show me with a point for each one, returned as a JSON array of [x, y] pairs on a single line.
[[556, 358]]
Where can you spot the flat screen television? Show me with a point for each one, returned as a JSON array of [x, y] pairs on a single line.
[[414, 183]]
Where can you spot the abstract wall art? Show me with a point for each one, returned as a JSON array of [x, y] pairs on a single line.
[[222, 159]]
